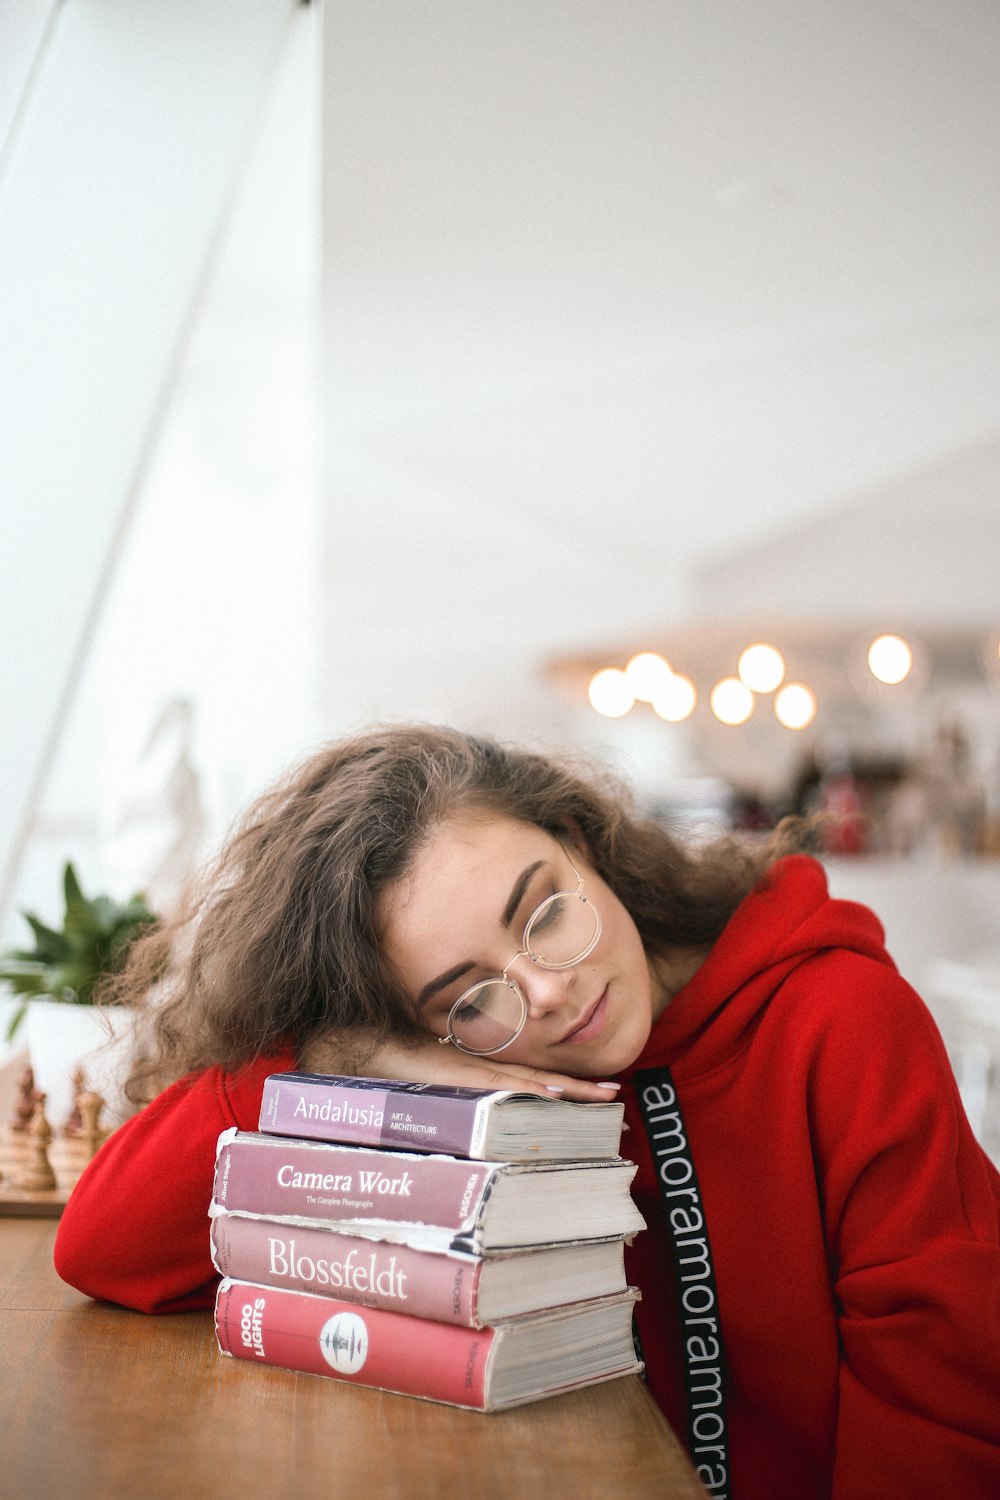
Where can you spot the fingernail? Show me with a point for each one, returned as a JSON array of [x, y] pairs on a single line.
[[555, 1088], [609, 1085]]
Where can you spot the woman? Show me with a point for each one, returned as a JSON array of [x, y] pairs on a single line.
[[821, 1274]]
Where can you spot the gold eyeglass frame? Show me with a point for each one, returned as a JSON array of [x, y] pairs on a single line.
[[525, 952]]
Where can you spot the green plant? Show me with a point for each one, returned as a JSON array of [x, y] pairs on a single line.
[[72, 962]]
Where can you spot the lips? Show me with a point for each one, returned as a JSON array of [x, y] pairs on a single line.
[[591, 1022]]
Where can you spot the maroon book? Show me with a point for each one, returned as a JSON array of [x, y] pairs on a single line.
[[448, 1287]]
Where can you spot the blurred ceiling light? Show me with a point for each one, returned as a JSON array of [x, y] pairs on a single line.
[[795, 705], [889, 659], [609, 693], [732, 701], [647, 674], [761, 667], [675, 699]]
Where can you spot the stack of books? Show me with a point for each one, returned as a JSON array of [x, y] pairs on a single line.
[[448, 1243]]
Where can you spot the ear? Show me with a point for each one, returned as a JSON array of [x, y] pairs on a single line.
[[575, 842]]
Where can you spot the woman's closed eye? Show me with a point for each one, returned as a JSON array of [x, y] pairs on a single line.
[[549, 916], [466, 1014]]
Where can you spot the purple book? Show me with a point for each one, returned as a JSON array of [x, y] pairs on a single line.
[[501, 1126]]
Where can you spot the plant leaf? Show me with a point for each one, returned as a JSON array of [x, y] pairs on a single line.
[[71, 885], [25, 977], [94, 942], [49, 944], [16, 1020]]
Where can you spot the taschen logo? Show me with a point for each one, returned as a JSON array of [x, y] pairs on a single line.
[[343, 1340]]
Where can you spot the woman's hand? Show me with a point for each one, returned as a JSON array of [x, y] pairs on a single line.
[[424, 1060]]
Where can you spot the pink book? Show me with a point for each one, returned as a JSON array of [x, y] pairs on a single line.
[[486, 1369], [431, 1201]]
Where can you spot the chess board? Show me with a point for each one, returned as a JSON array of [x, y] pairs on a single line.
[[67, 1158]]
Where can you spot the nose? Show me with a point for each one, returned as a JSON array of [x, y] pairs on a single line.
[[544, 989]]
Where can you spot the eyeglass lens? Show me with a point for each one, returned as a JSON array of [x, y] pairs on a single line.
[[559, 934], [488, 1017], [561, 930]]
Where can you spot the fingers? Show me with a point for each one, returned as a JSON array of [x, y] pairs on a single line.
[[427, 1062], [483, 1073], [559, 1086], [499, 1075]]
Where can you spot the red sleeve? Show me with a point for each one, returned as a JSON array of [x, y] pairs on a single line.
[[911, 1205], [136, 1227]]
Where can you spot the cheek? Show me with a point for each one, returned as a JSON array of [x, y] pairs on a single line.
[[436, 1022], [620, 943]]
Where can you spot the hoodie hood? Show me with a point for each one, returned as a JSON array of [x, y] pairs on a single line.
[[786, 920]]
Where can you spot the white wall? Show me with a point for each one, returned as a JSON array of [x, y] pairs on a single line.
[[611, 292], [612, 289], [121, 171]]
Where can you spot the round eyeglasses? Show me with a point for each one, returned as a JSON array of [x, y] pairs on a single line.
[[561, 932]]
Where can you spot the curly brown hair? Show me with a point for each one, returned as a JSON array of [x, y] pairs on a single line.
[[281, 944]]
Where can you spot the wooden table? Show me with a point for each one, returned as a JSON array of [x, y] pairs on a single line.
[[98, 1402]]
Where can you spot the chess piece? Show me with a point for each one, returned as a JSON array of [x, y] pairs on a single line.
[[38, 1176], [74, 1124], [24, 1105], [90, 1134]]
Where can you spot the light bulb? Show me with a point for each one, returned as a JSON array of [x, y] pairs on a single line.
[[610, 693], [647, 673], [890, 659], [795, 705], [676, 699], [731, 701], [761, 667]]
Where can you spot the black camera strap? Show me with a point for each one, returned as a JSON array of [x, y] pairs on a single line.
[[697, 1293]]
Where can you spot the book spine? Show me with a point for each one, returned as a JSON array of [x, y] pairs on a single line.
[[366, 1346], [480, 1125], [324, 1110], [398, 1278], [270, 1177]]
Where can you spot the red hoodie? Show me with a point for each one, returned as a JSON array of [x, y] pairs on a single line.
[[853, 1220], [852, 1217]]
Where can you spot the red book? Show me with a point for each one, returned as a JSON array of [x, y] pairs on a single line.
[[449, 1287], [436, 1202], [500, 1126], [486, 1369]]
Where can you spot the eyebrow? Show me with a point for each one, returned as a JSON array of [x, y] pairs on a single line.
[[509, 912], [517, 894]]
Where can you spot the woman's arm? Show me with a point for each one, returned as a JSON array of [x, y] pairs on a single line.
[[136, 1228], [424, 1060]]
